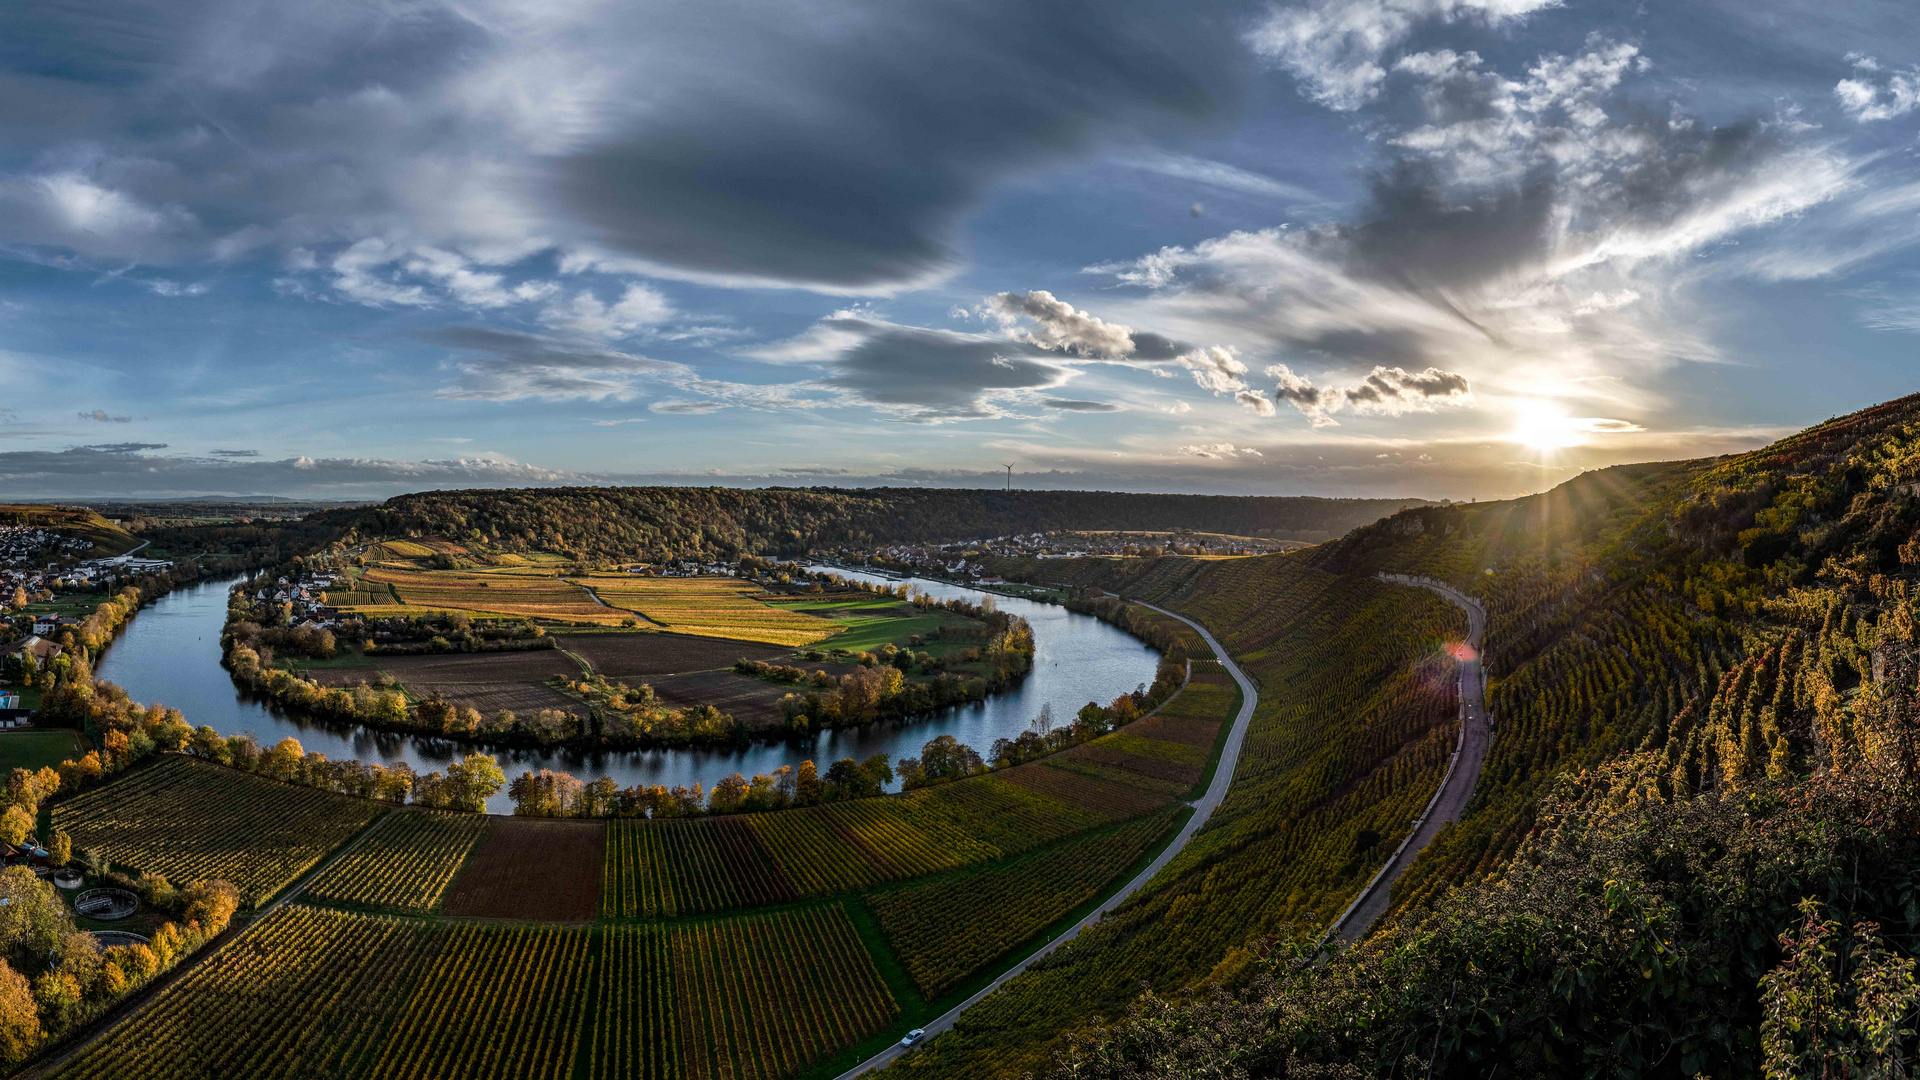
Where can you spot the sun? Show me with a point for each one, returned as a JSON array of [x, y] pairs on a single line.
[[1542, 426]]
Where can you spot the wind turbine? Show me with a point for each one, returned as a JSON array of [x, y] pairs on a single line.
[[1009, 468]]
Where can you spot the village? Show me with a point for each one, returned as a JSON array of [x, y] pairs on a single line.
[[962, 560]]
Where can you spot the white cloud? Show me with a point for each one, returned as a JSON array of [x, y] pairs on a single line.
[[1868, 102], [638, 308], [1217, 368], [1220, 450], [1336, 48], [163, 287], [1218, 174]]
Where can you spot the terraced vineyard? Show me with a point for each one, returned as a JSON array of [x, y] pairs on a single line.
[[711, 607], [449, 944], [948, 930], [334, 994], [190, 820], [405, 863]]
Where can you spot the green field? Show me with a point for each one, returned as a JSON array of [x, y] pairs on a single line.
[[38, 749], [873, 621]]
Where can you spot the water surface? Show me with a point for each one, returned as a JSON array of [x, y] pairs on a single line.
[[170, 653]]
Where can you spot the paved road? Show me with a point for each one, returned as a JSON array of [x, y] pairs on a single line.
[[1203, 808], [1462, 773]]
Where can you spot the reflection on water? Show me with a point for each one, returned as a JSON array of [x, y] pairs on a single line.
[[170, 653]]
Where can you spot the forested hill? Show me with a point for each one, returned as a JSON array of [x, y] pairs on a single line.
[[1695, 845], [726, 523]]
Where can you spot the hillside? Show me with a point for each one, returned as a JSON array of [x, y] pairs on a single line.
[[79, 522], [657, 523], [1694, 848]]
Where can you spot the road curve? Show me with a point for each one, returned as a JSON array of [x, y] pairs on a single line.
[[1203, 808], [1456, 787]]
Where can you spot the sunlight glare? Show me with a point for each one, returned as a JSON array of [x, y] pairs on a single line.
[[1542, 426]]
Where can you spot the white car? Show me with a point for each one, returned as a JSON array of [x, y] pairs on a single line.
[[912, 1037]]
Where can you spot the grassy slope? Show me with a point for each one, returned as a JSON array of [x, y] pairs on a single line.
[[106, 537]]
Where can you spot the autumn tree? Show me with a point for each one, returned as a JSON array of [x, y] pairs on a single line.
[[473, 780], [15, 825], [211, 903]]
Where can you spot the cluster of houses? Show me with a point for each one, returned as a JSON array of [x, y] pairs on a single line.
[[22, 544], [57, 577], [306, 597], [684, 569], [961, 560]]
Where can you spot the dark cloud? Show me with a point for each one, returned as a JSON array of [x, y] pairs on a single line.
[[101, 416], [1071, 405], [922, 374], [117, 470], [797, 150], [234, 453], [834, 144], [514, 365], [122, 447]]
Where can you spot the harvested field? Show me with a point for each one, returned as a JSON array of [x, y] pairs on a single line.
[[639, 656], [748, 700], [537, 595], [1100, 796], [1153, 768], [503, 667], [522, 698], [1192, 732], [711, 607], [530, 868], [1079, 760], [343, 676]]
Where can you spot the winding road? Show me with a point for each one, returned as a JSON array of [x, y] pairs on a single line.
[[1456, 787], [1203, 809]]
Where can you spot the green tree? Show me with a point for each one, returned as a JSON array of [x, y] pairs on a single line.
[[60, 851]]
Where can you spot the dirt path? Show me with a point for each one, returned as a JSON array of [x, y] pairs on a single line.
[[1456, 787], [1203, 808], [640, 619]]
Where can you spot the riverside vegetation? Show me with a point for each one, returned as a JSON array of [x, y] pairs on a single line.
[[764, 944], [1693, 850], [977, 651]]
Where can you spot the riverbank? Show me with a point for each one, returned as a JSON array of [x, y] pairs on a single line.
[[172, 654], [466, 690]]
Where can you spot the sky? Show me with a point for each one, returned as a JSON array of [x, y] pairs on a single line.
[[1429, 248]]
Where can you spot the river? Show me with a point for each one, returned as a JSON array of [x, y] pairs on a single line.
[[170, 653]]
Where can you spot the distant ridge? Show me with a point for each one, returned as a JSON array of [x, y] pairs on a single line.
[[726, 523]]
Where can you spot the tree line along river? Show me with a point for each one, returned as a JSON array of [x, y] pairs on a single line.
[[170, 653]]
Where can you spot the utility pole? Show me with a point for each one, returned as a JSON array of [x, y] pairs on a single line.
[[1009, 469]]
